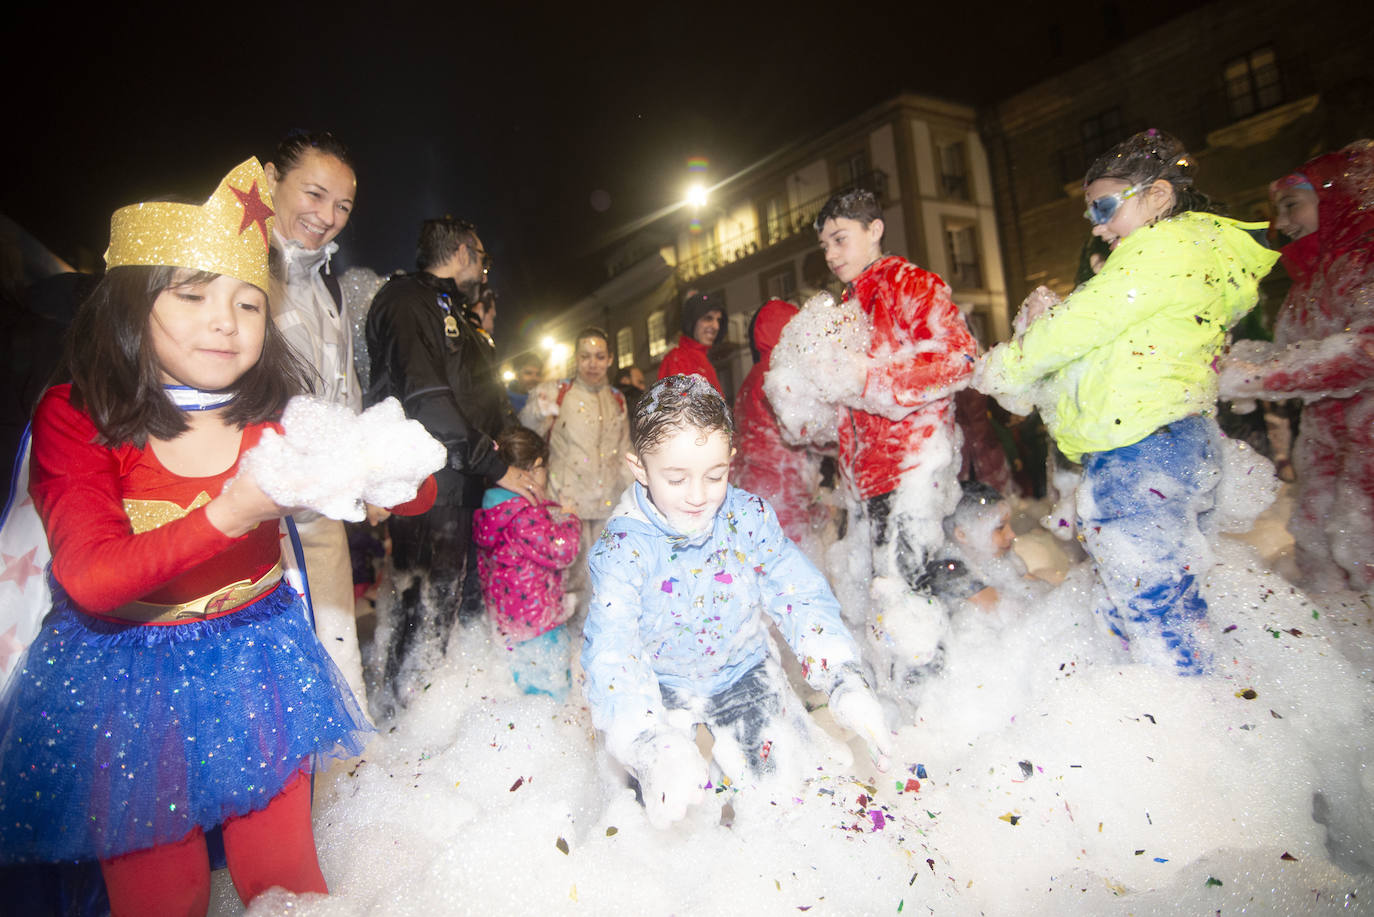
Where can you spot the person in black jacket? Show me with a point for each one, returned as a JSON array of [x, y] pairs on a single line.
[[429, 358]]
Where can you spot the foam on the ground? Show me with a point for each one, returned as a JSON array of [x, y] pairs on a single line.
[[1044, 773]]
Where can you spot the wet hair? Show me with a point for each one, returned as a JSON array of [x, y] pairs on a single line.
[[116, 379], [295, 144], [522, 448], [978, 498], [675, 403], [589, 333], [1147, 157], [857, 204], [441, 238]]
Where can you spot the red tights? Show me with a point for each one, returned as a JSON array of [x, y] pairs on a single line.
[[273, 846]]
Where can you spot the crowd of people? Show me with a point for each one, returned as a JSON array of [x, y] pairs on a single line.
[[631, 546]]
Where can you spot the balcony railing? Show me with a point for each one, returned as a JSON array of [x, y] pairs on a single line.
[[778, 229]]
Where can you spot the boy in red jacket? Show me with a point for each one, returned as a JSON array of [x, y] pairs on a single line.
[[898, 443]]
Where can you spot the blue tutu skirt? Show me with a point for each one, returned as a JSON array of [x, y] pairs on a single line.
[[119, 737]]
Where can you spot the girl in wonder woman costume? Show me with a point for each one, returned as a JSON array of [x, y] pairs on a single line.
[[176, 684]]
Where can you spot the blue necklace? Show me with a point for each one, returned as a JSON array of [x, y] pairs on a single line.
[[193, 399]]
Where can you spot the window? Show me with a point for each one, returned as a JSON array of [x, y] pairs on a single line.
[[625, 347], [953, 170], [851, 168], [978, 326], [658, 343], [779, 283], [1252, 83], [815, 271], [961, 248], [1100, 132], [738, 328], [772, 215]]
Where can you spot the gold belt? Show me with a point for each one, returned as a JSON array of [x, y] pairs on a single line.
[[231, 596]]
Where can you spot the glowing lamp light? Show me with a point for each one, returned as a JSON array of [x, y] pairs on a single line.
[[696, 196], [558, 352], [547, 343], [508, 376]]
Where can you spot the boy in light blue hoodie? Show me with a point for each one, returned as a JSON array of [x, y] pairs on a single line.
[[682, 577]]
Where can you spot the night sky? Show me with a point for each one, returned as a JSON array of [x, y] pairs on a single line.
[[521, 118]]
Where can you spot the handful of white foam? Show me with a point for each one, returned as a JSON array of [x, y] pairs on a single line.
[[820, 362], [334, 461]]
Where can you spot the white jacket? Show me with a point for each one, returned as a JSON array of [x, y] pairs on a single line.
[[306, 315]]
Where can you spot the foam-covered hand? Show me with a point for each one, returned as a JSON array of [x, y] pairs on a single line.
[[1241, 372], [858, 709], [1032, 307], [675, 777]]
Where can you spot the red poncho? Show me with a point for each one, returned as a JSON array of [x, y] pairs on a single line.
[[764, 464]]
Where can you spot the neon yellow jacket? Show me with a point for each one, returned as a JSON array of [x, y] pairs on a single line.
[[1132, 349]]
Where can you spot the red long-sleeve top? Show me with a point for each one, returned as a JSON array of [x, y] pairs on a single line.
[[123, 528]]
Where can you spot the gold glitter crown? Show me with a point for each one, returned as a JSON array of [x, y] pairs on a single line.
[[228, 234]]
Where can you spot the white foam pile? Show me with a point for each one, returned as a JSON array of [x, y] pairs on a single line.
[[1043, 773], [821, 360], [333, 461]]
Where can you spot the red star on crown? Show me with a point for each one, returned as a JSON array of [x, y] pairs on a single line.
[[255, 210]]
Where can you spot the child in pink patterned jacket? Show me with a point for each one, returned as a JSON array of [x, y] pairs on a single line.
[[522, 551]]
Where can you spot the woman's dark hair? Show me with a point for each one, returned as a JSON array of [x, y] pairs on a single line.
[[521, 447], [675, 403], [114, 372], [293, 146], [1148, 157]]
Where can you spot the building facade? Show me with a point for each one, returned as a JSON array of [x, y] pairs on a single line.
[[753, 239], [1253, 89], [991, 199]]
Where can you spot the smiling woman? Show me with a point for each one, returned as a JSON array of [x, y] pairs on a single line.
[[313, 186]]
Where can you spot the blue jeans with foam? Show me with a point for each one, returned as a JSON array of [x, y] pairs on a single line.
[[1138, 510]]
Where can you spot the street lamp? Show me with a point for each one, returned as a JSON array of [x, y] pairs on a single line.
[[547, 343], [696, 196]]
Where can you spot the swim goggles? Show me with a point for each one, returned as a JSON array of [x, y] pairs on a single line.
[[1102, 209]]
